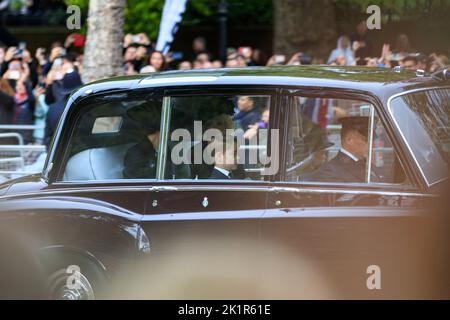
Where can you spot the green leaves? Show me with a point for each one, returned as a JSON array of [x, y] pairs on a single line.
[[143, 16], [140, 16]]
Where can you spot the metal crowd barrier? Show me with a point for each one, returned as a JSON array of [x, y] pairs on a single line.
[[16, 158]]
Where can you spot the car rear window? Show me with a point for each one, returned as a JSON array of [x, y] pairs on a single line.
[[423, 118]]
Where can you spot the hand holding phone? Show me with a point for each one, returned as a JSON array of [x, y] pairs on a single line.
[[280, 59], [136, 38]]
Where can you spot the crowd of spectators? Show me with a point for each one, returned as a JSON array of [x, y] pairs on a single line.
[[34, 86]]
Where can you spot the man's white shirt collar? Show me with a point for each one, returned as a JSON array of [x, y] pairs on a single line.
[[349, 154], [225, 172]]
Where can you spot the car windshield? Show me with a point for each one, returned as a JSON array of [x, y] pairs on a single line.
[[424, 120]]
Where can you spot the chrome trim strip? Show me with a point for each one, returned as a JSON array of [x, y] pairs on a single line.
[[162, 150], [219, 188], [56, 136], [389, 105], [340, 212], [209, 215], [370, 136], [337, 191], [167, 80]]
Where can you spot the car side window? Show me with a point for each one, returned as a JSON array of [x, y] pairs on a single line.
[[115, 140], [220, 137], [330, 140]]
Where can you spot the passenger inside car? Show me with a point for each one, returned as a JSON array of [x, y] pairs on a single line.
[[140, 161], [349, 165], [225, 159]]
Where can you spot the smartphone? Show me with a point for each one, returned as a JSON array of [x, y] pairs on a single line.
[[18, 53], [136, 39], [279, 58], [14, 74], [57, 63]]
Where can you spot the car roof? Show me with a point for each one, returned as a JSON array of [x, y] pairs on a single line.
[[382, 82]]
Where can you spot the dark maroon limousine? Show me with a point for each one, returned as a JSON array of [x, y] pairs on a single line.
[[338, 166]]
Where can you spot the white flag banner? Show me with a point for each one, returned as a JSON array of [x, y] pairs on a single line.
[[171, 17]]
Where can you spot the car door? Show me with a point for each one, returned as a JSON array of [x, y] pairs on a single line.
[[194, 205], [87, 187], [337, 231], [96, 144]]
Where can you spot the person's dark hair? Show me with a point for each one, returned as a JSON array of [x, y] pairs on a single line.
[[259, 57], [358, 124], [203, 52], [147, 116], [422, 57], [222, 122], [56, 44], [15, 58], [412, 58], [69, 57], [6, 87], [225, 144]]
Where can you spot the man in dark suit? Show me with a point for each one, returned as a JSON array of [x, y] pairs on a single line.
[[141, 160], [225, 159], [349, 165]]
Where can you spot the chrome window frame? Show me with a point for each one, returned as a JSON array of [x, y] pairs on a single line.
[[166, 109], [165, 130], [370, 137], [271, 188], [164, 127], [372, 113]]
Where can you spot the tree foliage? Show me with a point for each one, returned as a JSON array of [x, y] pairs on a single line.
[[140, 16], [145, 16]]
